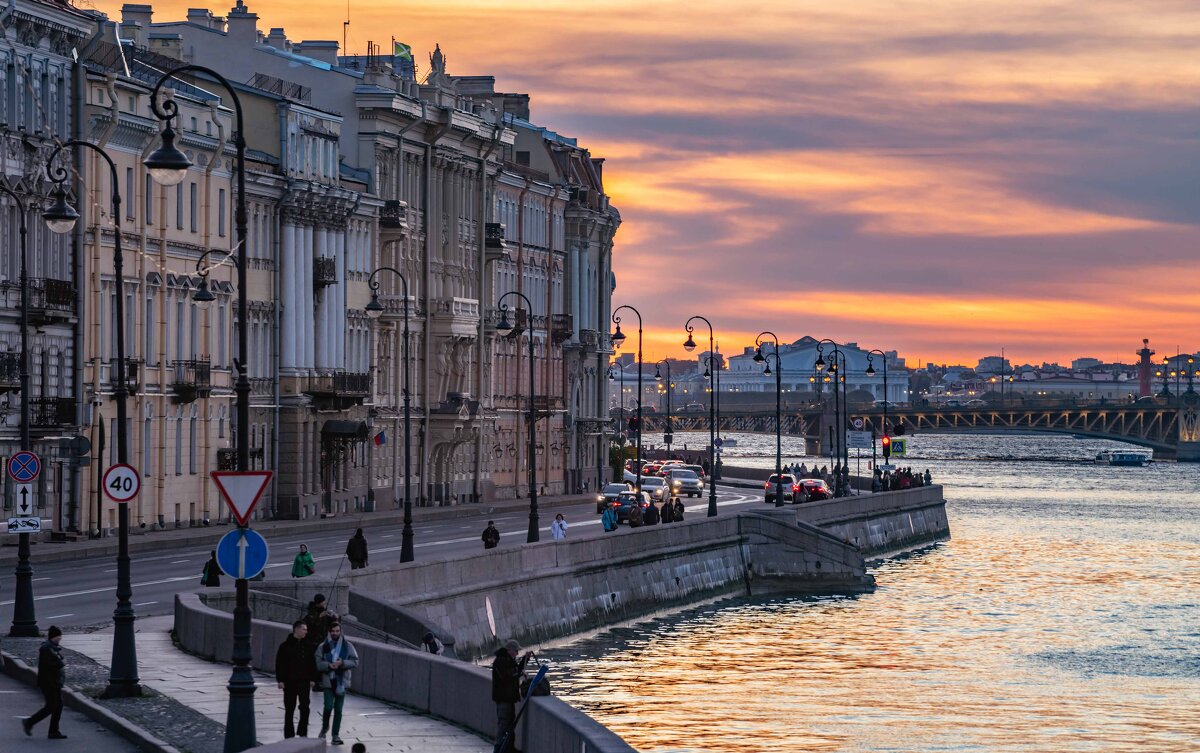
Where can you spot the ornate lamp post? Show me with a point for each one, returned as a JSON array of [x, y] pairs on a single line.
[[1166, 390], [759, 358], [669, 434], [618, 339], [837, 368], [871, 372], [24, 624], [61, 218], [168, 166], [504, 329], [374, 311], [689, 345]]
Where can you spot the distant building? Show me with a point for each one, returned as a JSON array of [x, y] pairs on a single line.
[[1080, 364], [993, 365]]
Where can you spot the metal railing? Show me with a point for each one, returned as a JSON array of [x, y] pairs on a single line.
[[10, 372], [51, 412], [339, 383], [324, 271], [191, 379]]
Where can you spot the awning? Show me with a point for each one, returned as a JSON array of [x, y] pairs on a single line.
[[342, 428]]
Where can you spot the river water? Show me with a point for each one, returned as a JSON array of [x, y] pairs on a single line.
[[1062, 616]]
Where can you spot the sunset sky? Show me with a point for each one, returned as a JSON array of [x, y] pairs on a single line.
[[940, 177]]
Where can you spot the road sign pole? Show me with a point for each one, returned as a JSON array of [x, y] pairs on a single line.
[[23, 468]]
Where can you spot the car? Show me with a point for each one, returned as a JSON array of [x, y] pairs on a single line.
[[977, 403], [650, 469], [788, 482], [626, 501], [696, 469], [656, 487], [629, 477], [683, 482], [669, 466], [886, 404], [812, 490], [694, 408], [608, 495]]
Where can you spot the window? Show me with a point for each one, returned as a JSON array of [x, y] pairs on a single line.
[[195, 127], [147, 442], [192, 445], [179, 207], [194, 198], [221, 212], [221, 332], [149, 213], [148, 353], [179, 329], [130, 196], [178, 445]]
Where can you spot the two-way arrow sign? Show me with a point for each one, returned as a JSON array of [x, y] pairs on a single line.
[[24, 500]]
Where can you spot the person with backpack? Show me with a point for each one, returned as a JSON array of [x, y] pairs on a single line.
[[635, 516], [210, 576], [609, 520]]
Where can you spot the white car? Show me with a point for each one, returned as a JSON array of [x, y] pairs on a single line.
[[655, 486], [684, 481]]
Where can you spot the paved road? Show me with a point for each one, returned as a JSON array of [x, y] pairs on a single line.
[[83, 592]]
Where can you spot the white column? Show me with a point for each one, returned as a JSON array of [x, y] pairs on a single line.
[[306, 293], [339, 313], [291, 309], [324, 307]]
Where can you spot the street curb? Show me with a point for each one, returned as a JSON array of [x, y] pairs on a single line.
[[19, 670], [154, 541]]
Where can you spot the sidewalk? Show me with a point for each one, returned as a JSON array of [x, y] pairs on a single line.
[[201, 685], [174, 538], [83, 735]]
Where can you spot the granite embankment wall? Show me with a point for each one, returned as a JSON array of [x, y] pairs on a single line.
[[456, 691]]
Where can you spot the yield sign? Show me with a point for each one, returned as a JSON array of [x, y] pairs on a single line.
[[241, 490]]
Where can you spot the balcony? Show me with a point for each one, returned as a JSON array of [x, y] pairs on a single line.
[[10, 372], [51, 301], [589, 339], [191, 380], [393, 216], [339, 390], [561, 328], [545, 404], [262, 386], [494, 245], [324, 272], [51, 412], [227, 459], [455, 317]]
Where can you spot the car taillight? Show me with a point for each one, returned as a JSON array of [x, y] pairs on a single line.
[[767, 485], [795, 488]]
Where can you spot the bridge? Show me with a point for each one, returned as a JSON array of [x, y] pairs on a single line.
[[1170, 428]]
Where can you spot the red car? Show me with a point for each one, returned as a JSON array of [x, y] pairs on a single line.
[[812, 490]]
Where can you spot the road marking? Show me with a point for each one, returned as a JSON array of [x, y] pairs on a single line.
[[58, 616], [103, 590], [177, 562], [388, 536], [112, 570], [145, 603], [35, 580]]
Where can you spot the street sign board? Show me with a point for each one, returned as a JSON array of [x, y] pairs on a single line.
[[24, 525], [24, 467], [25, 500], [899, 446], [858, 440], [887, 467], [858, 423], [719, 442], [121, 482], [242, 490], [242, 553]]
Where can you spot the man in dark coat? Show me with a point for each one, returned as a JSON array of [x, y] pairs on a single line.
[[318, 619], [51, 676], [491, 536], [295, 674], [210, 577], [356, 550], [650, 517], [506, 688]]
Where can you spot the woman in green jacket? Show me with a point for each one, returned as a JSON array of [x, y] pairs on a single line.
[[303, 565]]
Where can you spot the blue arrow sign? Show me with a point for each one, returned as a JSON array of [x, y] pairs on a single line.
[[242, 553]]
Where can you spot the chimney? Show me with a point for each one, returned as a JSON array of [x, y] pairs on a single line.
[[200, 17], [319, 49], [136, 14], [170, 45], [243, 25], [279, 40]]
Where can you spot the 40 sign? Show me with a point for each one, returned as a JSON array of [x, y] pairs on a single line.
[[121, 483]]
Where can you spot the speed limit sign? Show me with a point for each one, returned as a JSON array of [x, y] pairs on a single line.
[[121, 482], [858, 423]]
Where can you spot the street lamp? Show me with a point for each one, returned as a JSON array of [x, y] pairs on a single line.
[[504, 329], [837, 369], [871, 372], [689, 345], [374, 311], [168, 166], [1166, 390], [61, 218], [669, 434], [760, 358], [24, 624], [618, 338]]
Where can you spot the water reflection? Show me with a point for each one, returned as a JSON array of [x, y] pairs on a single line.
[[1062, 616]]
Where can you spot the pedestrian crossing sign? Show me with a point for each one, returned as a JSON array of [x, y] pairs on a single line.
[[899, 446]]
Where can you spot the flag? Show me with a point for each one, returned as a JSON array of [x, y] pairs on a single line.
[[381, 439], [402, 51]]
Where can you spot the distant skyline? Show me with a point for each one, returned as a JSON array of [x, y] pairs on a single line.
[[939, 178]]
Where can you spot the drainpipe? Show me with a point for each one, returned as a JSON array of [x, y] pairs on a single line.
[[431, 140], [521, 449], [481, 342], [215, 160]]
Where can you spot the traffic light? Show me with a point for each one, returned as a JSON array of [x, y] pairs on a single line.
[[899, 429], [887, 446]]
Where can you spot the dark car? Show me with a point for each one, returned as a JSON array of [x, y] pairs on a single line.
[[626, 501], [813, 489], [697, 469], [788, 482], [609, 495]]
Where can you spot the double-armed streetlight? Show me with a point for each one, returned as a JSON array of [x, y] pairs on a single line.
[[374, 311], [505, 328], [871, 372], [669, 434], [61, 218], [690, 345], [760, 357], [837, 369], [618, 339], [168, 166], [24, 624]]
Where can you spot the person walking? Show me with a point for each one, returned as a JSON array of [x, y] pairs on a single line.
[[491, 536], [609, 520], [356, 550], [506, 688], [558, 529], [635, 516], [210, 576], [677, 512], [51, 675], [318, 618], [650, 517], [295, 674], [303, 565], [335, 658], [928, 479]]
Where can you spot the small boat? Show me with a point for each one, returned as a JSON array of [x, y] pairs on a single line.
[[1124, 457]]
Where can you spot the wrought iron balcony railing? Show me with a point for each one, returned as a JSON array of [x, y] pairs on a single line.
[[324, 271], [51, 412], [192, 379], [393, 214], [10, 372], [561, 327]]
